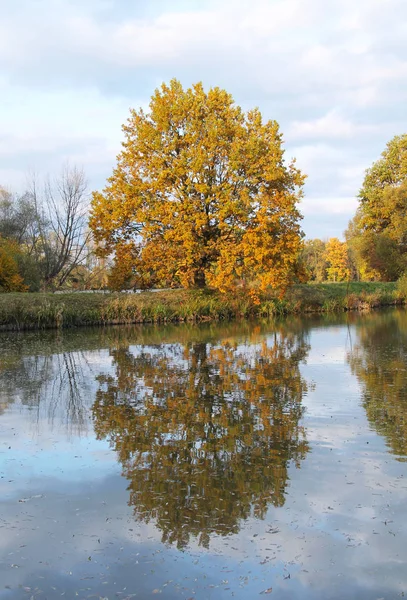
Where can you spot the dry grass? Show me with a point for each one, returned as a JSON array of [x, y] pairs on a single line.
[[44, 311]]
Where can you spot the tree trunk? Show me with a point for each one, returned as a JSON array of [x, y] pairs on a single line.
[[199, 279]]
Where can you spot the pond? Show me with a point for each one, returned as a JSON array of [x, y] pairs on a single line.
[[206, 461]]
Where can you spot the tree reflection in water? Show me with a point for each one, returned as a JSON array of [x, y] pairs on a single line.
[[379, 360], [205, 431], [55, 385]]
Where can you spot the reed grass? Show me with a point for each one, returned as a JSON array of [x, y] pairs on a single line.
[[44, 311]]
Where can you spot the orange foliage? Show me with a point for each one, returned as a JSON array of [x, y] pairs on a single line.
[[205, 430], [202, 193], [336, 255], [10, 279]]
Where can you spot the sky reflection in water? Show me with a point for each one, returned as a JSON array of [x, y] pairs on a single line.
[[209, 461]]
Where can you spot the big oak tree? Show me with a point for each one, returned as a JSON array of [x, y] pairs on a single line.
[[201, 196]]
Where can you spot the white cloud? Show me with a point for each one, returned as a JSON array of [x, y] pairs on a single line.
[[40, 131], [333, 74], [332, 125], [330, 205]]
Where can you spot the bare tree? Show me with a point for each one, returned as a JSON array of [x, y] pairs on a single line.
[[61, 212]]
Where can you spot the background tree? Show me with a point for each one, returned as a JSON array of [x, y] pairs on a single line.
[[48, 226], [313, 256], [378, 233], [17, 217], [62, 216], [202, 194], [10, 278], [19, 225], [93, 274], [122, 273], [336, 255]]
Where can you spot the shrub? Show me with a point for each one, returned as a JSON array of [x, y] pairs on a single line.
[[401, 286]]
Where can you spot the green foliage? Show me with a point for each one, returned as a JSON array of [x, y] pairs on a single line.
[[377, 235], [17, 216], [29, 270], [378, 256], [402, 286], [314, 259], [387, 257], [383, 177]]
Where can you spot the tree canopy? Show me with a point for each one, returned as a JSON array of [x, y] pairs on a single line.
[[10, 279], [336, 255], [380, 204], [378, 233], [314, 259], [200, 195]]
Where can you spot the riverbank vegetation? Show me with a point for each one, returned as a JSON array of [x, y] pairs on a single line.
[[42, 311], [201, 201]]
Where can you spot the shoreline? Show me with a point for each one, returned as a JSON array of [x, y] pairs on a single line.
[[38, 311]]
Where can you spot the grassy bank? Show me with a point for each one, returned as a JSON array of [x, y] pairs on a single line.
[[43, 311]]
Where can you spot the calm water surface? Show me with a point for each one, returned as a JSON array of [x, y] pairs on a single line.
[[214, 461]]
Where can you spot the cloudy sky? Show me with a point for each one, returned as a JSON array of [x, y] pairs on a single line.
[[333, 74]]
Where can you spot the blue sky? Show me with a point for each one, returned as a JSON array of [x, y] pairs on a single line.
[[333, 74]]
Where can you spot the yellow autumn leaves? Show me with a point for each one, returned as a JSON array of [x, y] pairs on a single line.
[[200, 196]]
